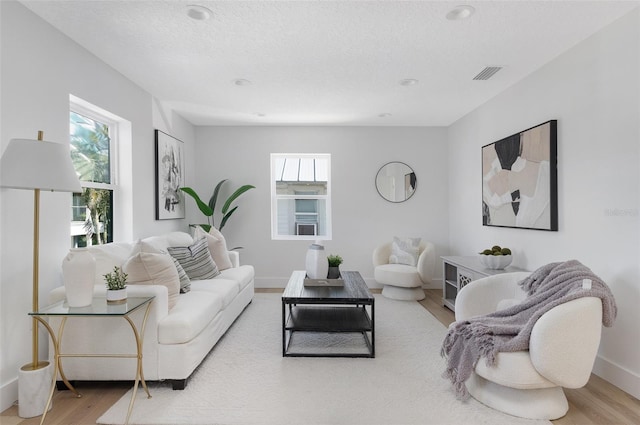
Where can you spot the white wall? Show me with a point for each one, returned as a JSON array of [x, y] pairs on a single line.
[[593, 92], [40, 68], [361, 218]]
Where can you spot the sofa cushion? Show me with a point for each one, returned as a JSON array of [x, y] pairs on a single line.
[[162, 242], [146, 268], [196, 260], [191, 314], [227, 289], [108, 256], [242, 274], [217, 246], [179, 239]]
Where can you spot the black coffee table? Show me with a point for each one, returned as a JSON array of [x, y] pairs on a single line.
[[328, 321]]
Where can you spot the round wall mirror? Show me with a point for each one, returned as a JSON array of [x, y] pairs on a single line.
[[396, 181]]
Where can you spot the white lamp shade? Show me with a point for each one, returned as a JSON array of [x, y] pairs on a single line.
[[35, 164]]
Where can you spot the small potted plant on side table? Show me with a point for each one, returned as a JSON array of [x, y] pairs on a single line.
[[334, 266], [116, 285]]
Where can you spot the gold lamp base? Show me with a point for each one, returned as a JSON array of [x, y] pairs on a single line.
[[30, 366]]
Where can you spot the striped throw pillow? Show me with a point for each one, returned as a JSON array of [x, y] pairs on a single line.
[[196, 260], [185, 282]]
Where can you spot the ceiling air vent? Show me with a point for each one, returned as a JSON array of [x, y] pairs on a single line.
[[487, 73]]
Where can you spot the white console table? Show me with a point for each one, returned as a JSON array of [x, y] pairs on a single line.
[[459, 271]]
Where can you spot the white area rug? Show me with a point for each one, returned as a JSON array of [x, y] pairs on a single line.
[[246, 381]]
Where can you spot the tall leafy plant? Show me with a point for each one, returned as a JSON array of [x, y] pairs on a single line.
[[208, 209]]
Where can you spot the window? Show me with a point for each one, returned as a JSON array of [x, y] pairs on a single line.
[[93, 140], [300, 196]]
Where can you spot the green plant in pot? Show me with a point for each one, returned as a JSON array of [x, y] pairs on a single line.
[[116, 282], [334, 266], [208, 209]]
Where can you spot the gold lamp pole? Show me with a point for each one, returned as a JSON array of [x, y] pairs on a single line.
[[35, 363]]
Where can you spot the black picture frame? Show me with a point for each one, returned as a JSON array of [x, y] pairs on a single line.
[[520, 179], [170, 173]]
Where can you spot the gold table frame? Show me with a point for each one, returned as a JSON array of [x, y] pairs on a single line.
[[98, 308]]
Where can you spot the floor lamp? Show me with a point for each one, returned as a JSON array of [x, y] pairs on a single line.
[[36, 165]]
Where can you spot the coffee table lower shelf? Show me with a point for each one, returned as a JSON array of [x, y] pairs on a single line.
[[328, 331]]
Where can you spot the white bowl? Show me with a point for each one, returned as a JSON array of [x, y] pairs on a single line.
[[495, 262]]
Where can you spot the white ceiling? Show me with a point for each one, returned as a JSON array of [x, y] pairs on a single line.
[[326, 62]]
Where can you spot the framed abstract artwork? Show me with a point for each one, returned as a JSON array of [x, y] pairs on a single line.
[[520, 180], [169, 177]]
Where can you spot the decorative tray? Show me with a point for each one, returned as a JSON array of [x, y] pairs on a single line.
[[310, 283]]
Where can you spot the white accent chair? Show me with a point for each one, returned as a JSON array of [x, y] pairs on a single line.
[[562, 349], [403, 282]]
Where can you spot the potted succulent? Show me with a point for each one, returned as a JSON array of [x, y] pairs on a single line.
[[116, 285], [334, 266]]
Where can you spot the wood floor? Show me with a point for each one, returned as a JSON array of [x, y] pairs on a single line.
[[598, 403]]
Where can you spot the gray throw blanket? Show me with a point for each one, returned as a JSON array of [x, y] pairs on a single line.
[[509, 329]]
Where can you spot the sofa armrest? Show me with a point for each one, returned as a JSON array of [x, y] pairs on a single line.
[[564, 341], [234, 256], [483, 295]]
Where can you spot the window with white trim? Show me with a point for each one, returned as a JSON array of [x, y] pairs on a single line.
[[93, 139], [300, 196]]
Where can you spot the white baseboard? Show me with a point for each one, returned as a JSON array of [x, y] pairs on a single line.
[[435, 284], [617, 375], [8, 394]]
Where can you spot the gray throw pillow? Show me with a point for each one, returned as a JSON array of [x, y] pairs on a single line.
[[185, 282], [196, 260]]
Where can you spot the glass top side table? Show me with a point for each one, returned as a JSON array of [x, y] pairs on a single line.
[[98, 308]]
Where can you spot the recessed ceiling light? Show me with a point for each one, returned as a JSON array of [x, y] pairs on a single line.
[[409, 82], [198, 13], [460, 12], [241, 82], [384, 115]]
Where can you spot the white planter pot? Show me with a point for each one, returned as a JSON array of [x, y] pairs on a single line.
[[117, 295], [79, 274]]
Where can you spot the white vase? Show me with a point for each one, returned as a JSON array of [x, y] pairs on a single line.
[[316, 262], [79, 274]]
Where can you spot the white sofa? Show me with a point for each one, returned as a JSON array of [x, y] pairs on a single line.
[[176, 340]]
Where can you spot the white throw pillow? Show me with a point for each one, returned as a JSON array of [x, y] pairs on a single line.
[[146, 268], [149, 245], [404, 251], [107, 257], [217, 247]]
